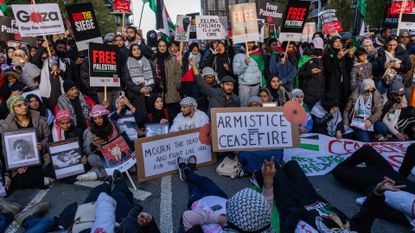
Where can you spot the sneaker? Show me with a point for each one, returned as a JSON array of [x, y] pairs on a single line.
[[9, 207], [38, 210], [191, 162], [117, 175], [48, 181], [91, 175], [182, 166], [240, 173], [360, 201]]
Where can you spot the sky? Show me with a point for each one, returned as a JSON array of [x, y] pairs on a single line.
[[174, 7]]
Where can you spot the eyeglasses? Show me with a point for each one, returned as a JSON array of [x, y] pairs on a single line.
[[369, 91], [398, 94]]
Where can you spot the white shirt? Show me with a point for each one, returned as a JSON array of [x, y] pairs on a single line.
[[181, 122]]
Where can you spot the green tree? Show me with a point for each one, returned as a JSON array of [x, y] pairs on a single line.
[[106, 21], [375, 13], [344, 11]]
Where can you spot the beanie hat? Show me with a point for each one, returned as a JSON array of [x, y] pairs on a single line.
[[189, 101], [248, 211], [208, 71], [255, 99], [227, 79], [68, 84], [396, 87], [297, 92], [99, 110], [12, 100], [63, 114]]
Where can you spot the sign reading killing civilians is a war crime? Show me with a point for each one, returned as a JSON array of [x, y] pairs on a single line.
[[156, 156], [84, 24], [210, 27], [248, 129], [102, 65], [244, 23], [295, 17], [38, 19]]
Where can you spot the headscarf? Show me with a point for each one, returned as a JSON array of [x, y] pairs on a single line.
[[99, 110], [156, 114], [332, 40], [42, 108], [12, 100], [161, 57], [57, 133], [9, 59], [131, 51], [248, 211]]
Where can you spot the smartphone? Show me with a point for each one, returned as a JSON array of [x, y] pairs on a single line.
[[121, 94]]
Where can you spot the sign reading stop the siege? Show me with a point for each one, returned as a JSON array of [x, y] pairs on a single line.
[[102, 65]]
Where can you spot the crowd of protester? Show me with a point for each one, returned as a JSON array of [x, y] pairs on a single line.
[[357, 89]]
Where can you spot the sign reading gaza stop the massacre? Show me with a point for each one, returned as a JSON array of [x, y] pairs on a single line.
[[331, 23], [84, 24], [294, 21], [38, 19], [244, 23], [156, 156], [210, 27], [102, 65], [249, 129]]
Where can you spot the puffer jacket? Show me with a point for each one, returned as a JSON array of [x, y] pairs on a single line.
[[247, 74], [313, 85]]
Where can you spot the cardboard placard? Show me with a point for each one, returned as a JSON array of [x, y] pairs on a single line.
[[308, 31], [294, 21], [38, 19], [66, 158], [102, 65], [183, 24], [401, 6], [252, 129], [84, 24], [407, 22], [244, 22], [210, 27], [192, 35], [122, 5], [118, 154], [156, 156], [271, 12], [331, 23]]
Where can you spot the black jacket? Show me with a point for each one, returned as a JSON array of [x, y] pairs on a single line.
[[313, 85]]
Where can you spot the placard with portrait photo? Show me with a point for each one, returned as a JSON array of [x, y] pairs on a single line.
[[66, 158], [20, 148]]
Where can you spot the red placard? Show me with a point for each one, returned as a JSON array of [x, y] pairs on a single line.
[[332, 27], [404, 6], [122, 5]]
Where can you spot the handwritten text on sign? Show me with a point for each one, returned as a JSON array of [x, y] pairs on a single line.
[[156, 156], [254, 130]]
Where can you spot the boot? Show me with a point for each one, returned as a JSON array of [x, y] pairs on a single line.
[[9, 207], [38, 210]]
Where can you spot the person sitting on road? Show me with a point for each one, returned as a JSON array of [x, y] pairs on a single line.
[[190, 117], [327, 118], [307, 125]]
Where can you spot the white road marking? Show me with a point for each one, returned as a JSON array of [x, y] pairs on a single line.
[[166, 211], [14, 227]]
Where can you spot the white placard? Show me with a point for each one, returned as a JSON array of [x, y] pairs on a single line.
[[210, 27], [38, 19], [242, 129]]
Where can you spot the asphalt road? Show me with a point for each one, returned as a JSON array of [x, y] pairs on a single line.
[[169, 197]]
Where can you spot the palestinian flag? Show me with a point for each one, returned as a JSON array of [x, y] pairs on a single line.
[[3, 7], [163, 21], [259, 59]]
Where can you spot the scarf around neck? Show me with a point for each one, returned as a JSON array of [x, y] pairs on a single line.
[[65, 103], [140, 71]]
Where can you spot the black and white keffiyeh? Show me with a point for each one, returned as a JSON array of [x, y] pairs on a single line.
[[140, 71], [248, 211]]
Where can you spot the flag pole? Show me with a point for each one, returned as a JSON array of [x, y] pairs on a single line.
[[123, 21], [141, 15]]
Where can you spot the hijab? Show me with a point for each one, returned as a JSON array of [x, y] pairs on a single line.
[[161, 58], [131, 51]]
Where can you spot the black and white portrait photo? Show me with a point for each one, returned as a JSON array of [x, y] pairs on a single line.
[[21, 149], [66, 158]]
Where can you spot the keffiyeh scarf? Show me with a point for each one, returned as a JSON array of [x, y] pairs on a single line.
[[65, 103]]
